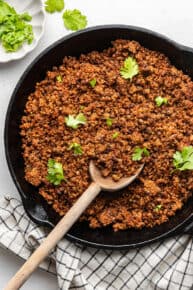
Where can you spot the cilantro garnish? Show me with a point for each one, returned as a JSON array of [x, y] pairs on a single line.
[[54, 5], [129, 69], [139, 152], [74, 122], [161, 101], [183, 160], [109, 122], [158, 207], [59, 79], [55, 172], [115, 135], [93, 83], [76, 148], [14, 31], [74, 20]]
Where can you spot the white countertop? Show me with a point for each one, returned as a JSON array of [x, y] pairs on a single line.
[[173, 18]]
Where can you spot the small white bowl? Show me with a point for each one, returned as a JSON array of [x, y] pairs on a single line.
[[36, 10]]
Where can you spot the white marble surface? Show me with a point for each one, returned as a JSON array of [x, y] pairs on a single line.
[[173, 18]]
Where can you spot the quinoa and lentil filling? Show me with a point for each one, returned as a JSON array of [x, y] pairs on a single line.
[[122, 118]]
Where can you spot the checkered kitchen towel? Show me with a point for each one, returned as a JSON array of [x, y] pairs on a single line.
[[163, 265]]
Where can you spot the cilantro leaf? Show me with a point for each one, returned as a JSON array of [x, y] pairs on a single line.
[[14, 31], [158, 207], [74, 20], [161, 101], [183, 160], [139, 152], [76, 148], [59, 78], [55, 172], [93, 83], [74, 122], [52, 6], [109, 122], [129, 69], [115, 135], [82, 108]]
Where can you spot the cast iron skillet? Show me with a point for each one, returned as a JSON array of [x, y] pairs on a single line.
[[96, 38]]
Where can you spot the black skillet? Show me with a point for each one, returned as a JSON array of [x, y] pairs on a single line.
[[96, 38]]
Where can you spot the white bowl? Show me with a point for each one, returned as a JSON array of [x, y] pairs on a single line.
[[36, 10]]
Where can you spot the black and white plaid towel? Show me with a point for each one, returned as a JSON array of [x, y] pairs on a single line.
[[165, 265]]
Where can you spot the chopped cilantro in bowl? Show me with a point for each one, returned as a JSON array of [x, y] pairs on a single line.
[[14, 28], [20, 30]]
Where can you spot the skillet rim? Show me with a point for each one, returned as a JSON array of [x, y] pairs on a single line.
[[176, 229]]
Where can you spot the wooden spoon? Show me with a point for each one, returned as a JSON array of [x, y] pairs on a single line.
[[99, 183]]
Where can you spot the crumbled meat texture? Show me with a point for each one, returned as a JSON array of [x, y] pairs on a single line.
[[131, 106]]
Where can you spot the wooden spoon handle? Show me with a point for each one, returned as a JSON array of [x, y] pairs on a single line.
[[54, 237]]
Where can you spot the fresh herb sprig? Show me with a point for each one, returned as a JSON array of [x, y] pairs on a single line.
[[183, 160], [139, 153], [59, 78], [109, 122], [93, 83], [77, 149], [74, 121], [161, 101], [52, 6], [115, 135], [74, 20], [158, 207], [130, 68], [55, 172]]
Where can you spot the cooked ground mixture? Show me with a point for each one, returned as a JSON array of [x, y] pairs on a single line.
[[135, 121]]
